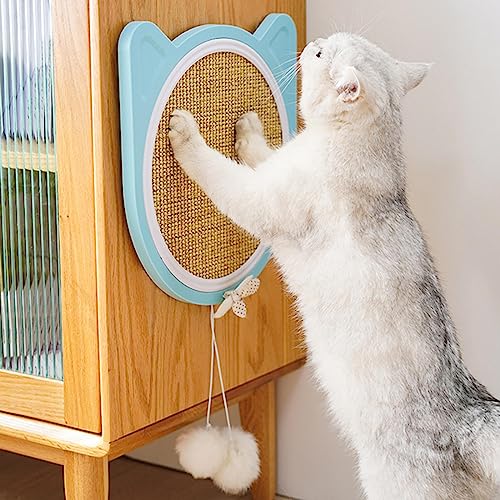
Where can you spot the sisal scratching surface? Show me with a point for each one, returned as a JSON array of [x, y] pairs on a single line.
[[217, 89]]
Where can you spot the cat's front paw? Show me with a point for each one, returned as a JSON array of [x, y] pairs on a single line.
[[249, 124], [250, 145], [184, 133]]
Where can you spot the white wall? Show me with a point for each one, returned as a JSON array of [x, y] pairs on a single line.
[[452, 145]]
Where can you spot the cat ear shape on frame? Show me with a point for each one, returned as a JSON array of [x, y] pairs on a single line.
[[278, 33], [150, 65]]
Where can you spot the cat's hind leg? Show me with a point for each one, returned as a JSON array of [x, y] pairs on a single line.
[[251, 146]]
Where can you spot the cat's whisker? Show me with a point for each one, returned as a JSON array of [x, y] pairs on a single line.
[[339, 27], [287, 61], [334, 26], [283, 76], [292, 71], [288, 83], [287, 73], [282, 86], [367, 26], [284, 63], [284, 70]]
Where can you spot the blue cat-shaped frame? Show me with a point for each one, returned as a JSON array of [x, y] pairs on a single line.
[[146, 58]]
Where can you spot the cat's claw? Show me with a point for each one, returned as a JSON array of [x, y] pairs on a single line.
[[183, 129]]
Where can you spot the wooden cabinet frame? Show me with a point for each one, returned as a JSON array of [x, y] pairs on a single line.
[[76, 401]]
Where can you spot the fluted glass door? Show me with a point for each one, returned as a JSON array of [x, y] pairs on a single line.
[[30, 328]]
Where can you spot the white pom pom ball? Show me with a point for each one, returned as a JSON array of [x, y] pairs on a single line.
[[242, 465], [202, 451]]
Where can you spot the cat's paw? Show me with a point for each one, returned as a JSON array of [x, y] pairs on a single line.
[[249, 124], [183, 131], [250, 145]]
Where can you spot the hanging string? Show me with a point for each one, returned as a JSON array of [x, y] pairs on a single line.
[[215, 354], [211, 384]]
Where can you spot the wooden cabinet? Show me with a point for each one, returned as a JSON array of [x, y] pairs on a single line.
[[134, 361]]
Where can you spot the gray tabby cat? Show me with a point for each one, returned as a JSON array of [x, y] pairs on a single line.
[[332, 205]]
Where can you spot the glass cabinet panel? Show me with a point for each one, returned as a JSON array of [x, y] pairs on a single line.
[[30, 327]]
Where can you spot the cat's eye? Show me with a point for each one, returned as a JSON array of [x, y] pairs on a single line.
[[318, 54]]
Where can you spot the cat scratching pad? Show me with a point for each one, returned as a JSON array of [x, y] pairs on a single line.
[[200, 238], [191, 250]]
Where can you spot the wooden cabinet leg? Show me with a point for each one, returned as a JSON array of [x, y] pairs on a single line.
[[258, 415], [86, 478]]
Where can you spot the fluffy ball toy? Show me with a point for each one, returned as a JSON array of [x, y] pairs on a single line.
[[202, 451], [242, 465], [230, 457]]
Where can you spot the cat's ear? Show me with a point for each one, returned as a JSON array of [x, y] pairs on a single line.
[[412, 74], [348, 86]]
